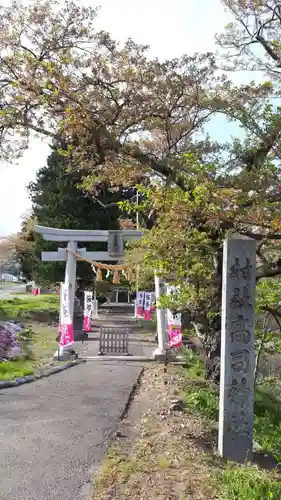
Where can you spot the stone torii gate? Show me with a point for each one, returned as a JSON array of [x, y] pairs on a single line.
[[115, 240]]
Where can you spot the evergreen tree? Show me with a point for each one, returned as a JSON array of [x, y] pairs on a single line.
[[58, 201]]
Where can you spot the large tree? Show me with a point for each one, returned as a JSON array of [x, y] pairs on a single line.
[[252, 41], [7, 256], [237, 194], [128, 119], [60, 76], [57, 201]]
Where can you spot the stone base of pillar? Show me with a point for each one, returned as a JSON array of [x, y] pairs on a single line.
[[163, 355], [66, 355]]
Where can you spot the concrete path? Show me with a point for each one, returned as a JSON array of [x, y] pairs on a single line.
[[10, 290], [54, 432]]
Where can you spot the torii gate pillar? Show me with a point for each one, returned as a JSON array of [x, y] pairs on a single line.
[[70, 274]]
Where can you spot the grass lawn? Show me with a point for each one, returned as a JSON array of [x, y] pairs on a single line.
[[29, 307], [42, 350], [11, 370], [32, 310], [172, 455]]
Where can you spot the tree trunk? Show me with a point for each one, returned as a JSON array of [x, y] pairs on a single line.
[[212, 352], [207, 325], [209, 333], [213, 340]]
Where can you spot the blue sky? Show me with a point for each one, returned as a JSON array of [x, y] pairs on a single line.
[[171, 28]]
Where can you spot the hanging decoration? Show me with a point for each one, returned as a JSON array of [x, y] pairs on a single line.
[[116, 278], [99, 275], [98, 267]]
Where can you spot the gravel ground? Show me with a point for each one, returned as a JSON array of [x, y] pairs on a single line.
[[55, 431]]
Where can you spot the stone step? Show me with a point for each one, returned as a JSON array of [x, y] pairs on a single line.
[[116, 309]]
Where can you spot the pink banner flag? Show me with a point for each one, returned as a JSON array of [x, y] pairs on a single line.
[[66, 335], [175, 338], [147, 315], [88, 307], [66, 326]]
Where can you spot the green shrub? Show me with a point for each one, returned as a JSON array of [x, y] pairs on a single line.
[[267, 426], [240, 482], [10, 370]]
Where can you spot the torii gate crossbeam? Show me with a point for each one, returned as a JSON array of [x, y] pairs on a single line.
[[115, 251]]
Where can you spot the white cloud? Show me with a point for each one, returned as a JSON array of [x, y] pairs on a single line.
[[171, 28], [14, 201]]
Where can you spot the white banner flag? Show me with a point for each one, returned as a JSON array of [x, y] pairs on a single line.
[[88, 308], [147, 305], [174, 323], [140, 303], [66, 327]]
